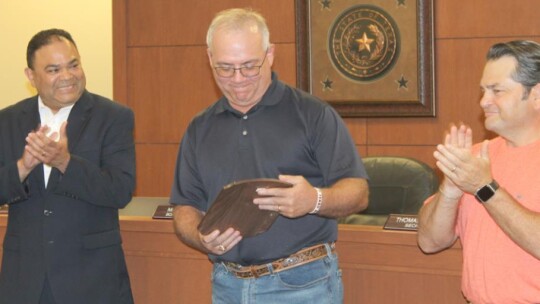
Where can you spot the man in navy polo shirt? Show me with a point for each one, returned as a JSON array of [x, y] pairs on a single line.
[[262, 128]]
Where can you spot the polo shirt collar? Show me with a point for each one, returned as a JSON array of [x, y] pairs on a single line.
[[271, 97]]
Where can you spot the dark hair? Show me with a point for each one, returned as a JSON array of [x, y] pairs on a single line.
[[44, 38], [527, 55]]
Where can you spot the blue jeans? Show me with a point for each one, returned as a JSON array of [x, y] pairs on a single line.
[[315, 282]]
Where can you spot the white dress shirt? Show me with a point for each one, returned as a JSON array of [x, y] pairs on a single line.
[[53, 121]]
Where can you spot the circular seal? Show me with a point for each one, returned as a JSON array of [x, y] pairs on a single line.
[[363, 43]]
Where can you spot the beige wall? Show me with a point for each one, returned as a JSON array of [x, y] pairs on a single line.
[[90, 24]]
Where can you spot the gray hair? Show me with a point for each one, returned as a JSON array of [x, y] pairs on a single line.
[[238, 19], [527, 55]]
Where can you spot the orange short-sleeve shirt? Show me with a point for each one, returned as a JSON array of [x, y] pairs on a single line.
[[495, 269]]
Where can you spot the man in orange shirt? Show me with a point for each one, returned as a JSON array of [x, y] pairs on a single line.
[[489, 197]]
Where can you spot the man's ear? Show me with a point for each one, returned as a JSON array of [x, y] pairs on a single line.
[[209, 53], [30, 75], [534, 96], [270, 54]]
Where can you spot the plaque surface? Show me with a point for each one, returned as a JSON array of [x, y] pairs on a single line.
[[402, 222], [164, 212], [234, 208]]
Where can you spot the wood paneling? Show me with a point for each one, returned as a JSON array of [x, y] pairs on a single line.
[[358, 130], [173, 22], [162, 269], [284, 60], [157, 163], [486, 18], [161, 71], [167, 87]]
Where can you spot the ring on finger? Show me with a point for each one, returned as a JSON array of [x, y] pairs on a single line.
[[454, 169], [221, 247], [278, 208]]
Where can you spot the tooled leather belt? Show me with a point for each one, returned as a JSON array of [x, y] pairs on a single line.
[[299, 258]]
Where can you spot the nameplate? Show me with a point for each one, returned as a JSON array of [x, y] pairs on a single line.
[[4, 209], [402, 222], [163, 212]]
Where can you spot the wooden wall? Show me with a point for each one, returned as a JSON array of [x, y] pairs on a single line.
[[162, 73]]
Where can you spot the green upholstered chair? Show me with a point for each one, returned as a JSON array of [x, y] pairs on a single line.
[[396, 185]]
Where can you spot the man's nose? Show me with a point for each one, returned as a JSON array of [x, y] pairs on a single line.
[[486, 99], [66, 74], [237, 76]]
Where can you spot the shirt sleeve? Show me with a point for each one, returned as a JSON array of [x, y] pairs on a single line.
[[187, 188], [334, 148]]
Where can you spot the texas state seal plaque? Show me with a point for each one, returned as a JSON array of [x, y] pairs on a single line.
[[367, 58]]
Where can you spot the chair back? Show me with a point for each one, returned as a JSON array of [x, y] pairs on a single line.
[[396, 185]]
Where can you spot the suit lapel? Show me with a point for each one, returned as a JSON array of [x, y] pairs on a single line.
[[29, 121], [78, 119]]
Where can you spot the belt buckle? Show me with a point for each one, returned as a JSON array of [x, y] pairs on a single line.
[[290, 261]]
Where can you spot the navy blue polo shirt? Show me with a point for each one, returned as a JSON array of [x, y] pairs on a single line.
[[287, 132]]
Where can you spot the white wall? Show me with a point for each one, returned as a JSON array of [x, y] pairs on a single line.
[[90, 24]]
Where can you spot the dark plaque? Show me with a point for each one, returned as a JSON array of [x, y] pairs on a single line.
[[163, 212], [402, 222], [234, 208]]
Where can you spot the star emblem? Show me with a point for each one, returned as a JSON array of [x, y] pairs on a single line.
[[364, 43], [402, 82], [401, 2], [325, 4], [327, 84]]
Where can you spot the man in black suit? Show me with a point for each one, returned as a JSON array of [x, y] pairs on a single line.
[[67, 164]]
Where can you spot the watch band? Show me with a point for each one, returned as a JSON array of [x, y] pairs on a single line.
[[483, 194]]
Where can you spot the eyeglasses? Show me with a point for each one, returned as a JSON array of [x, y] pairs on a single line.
[[246, 71]]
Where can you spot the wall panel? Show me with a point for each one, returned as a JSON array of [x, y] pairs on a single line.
[[185, 22], [358, 130], [155, 168], [168, 87], [486, 18]]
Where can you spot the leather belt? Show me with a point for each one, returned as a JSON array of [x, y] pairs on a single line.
[[299, 258]]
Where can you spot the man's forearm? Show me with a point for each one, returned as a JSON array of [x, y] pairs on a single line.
[[525, 232], [347, 196], [186, 220], [436, 223]]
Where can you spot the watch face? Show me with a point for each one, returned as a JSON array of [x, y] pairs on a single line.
[[485, 193]]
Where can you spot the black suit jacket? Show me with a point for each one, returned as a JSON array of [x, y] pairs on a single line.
[[68, 232]]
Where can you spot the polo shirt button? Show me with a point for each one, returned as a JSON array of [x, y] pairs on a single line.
[[244, 133], [47, 212], [245, 117], [50, 242]]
